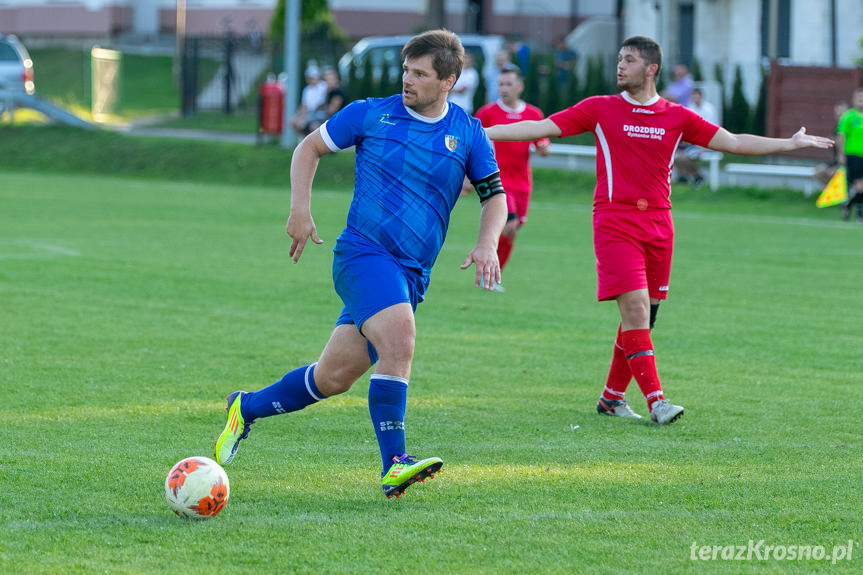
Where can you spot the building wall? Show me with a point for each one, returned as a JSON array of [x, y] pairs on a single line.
[[72, 19], [84, 18], [727, 32], [215, 22]]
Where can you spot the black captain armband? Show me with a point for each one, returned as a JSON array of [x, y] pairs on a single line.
[[488, 186]]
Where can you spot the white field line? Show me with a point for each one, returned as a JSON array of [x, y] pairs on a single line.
[[36, 250]]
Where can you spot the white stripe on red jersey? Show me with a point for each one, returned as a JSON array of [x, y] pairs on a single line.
[[636, 146]]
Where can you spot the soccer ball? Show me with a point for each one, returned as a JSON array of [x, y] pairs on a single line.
[[197, 488]]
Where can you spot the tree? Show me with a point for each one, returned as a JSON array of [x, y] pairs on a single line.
[[697, 75], [312, 14], [759, 115], [575, 93], [321, 39], [738, 114], [719, 75], [596, 82]]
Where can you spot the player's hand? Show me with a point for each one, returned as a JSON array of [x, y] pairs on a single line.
[[510, 229], [487, 267], [803, 140], [301, 227], [543, 147]]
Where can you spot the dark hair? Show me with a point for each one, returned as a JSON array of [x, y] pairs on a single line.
[[510, 68], [647, 48], [443, 46]]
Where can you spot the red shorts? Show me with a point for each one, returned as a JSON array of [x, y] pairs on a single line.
[[517, 203], [633, 251]]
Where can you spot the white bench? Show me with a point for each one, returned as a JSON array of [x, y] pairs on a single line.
[[774, 175], [712, 157], [577, 155]]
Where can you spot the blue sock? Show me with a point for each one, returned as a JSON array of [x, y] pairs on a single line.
[[293, 392], [388, 396]]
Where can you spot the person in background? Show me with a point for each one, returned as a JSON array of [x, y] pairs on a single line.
[[314, 94], [824, 172], [636, 134], [335, 100], [681, 88], [501, 59], [850, 144], [466, 85], [564, 62], [521, 50], [513, 157], [686, 158]]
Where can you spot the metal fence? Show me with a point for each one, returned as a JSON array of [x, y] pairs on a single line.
[[223, 73]]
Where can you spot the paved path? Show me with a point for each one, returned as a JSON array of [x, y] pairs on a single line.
[[182, 133], [246, 69]]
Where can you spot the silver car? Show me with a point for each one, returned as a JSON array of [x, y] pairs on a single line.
[[16, 67]]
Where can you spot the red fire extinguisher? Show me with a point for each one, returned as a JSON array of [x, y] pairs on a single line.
[[271, 106]]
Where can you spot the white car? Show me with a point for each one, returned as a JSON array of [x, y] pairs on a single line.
[[16, 67], [385, 51]]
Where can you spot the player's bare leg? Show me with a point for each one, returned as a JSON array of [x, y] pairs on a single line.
[[344, 360]]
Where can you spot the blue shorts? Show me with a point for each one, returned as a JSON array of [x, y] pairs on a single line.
[[369, 279]]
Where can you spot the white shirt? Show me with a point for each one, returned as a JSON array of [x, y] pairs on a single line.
[[314, 95], [706, 110], [469, 80]]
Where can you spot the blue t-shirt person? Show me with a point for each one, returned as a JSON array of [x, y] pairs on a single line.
[[409, 173]]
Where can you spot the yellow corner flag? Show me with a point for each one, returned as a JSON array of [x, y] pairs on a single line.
[[835, 192]]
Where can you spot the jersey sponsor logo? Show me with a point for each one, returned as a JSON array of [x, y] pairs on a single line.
[[385, 119], [451, 142], [643, 111], [644, 132]]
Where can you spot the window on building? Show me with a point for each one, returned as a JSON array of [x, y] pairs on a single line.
[[782, 20], [474, 17], [686, 34]]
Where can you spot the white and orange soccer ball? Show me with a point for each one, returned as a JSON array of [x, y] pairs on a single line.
[[197, 488]]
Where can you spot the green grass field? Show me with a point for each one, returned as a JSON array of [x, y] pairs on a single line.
[[130, 306], [146, 83]]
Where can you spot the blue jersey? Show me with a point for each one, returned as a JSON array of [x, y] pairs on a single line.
[[409, 173]]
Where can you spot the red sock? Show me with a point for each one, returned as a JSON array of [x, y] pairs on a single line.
[[619, 374], [638, 348], [504, 248]]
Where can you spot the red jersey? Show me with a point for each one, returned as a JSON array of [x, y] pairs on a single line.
[[513, 158], [635, 146]]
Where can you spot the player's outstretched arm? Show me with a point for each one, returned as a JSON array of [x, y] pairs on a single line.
[[484, 255], [304, 164], [751, 145], [525, 131]]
